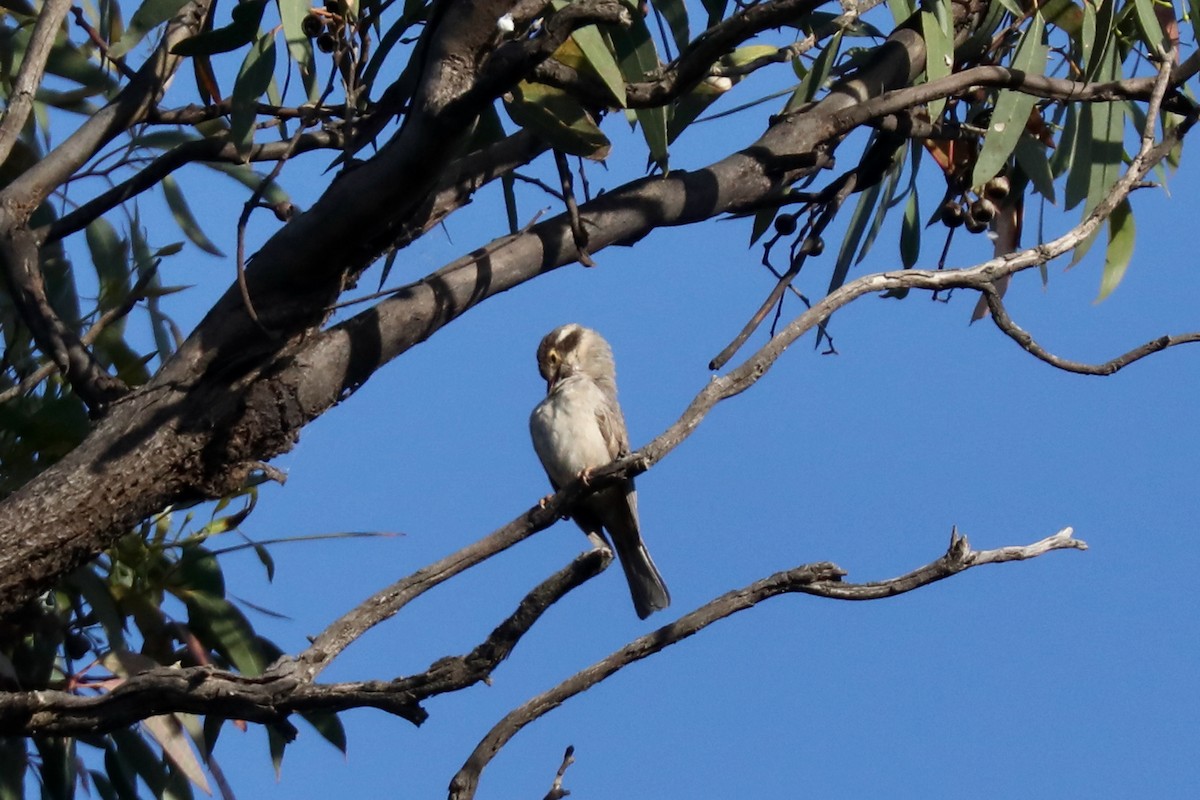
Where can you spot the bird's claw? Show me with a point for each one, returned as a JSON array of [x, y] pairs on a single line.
[[585, 476]]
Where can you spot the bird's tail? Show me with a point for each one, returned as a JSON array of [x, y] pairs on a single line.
[[646, 585]]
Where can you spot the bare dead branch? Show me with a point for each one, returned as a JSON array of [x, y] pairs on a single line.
[[284, 690], [557, 792], [1022, 337], [383, 605], [821, 580]]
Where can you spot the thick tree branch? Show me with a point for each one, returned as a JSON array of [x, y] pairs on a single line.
[[29, 76], [820, 580]]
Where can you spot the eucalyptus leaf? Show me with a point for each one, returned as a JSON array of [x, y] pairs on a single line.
[[1012, 109], [254, 77], [150, 15], [1122, 233]]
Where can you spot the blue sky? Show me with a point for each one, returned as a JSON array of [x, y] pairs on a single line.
[[1070, 675]]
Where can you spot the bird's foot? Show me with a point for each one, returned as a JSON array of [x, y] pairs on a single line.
[[585, 476]]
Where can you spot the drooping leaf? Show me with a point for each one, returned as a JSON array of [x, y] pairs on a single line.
[[854, 233], [937, 28], [1152, 32], [1012, 108], [910, 233], [558, 118], [220, 625], [170, 736], [241, 31], [636, 59], [150, 14], [292, 14], [110, 256], [599, 57], [1121, 235], [715, 9], [675, 13], [1031, 158], [184, 218], [255, 76], [329, 726], [816, 77], [1096, 36]]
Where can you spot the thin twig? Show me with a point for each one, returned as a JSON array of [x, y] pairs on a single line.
[[578, 233]]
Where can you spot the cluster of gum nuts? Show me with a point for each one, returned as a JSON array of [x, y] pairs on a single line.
[[320, 29], [975, 215]]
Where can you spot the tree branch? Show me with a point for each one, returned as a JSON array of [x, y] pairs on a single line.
[[29, 76], [1014, 331], [283, 690], [199, 150], [821, 580]]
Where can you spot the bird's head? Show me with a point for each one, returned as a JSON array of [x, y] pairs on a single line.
[[575, 350]]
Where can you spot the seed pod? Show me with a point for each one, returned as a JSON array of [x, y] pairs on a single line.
[[785, 224], [952, 214], [312, 26], [326, 43], [997, 188], [814, 246], [984, 210], [974, 225]]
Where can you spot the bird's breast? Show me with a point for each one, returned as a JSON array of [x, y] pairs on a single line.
[[566, 434]]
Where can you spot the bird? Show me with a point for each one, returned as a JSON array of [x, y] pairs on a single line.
[[579, 427]]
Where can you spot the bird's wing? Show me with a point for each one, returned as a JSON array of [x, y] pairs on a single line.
[[612, 428]]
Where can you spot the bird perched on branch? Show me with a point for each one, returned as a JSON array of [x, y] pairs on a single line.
[[578, 427]]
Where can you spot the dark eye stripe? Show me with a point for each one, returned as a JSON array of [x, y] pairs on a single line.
[[570, 341]]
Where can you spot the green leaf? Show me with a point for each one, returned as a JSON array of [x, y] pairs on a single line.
[[272, 193], [292, 14], [558, 118], [241, 31], [937, 29], [762, 223], [198, 571], [1096, 36], [910, 233], [855, 228], [715, 9], [1121, 235], [57, 769], [675, 13], [1152, 32], [220, 625], [110, 256], [1012, 108], [816, 77], [141, 757], [329, 726], [277, 743], [184, 217], [889, 192], [1031, 158], [149, 16], [637, 58], [598, 55], [255, 76]]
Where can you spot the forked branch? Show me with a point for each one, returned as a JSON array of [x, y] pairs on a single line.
[[821, 580]]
